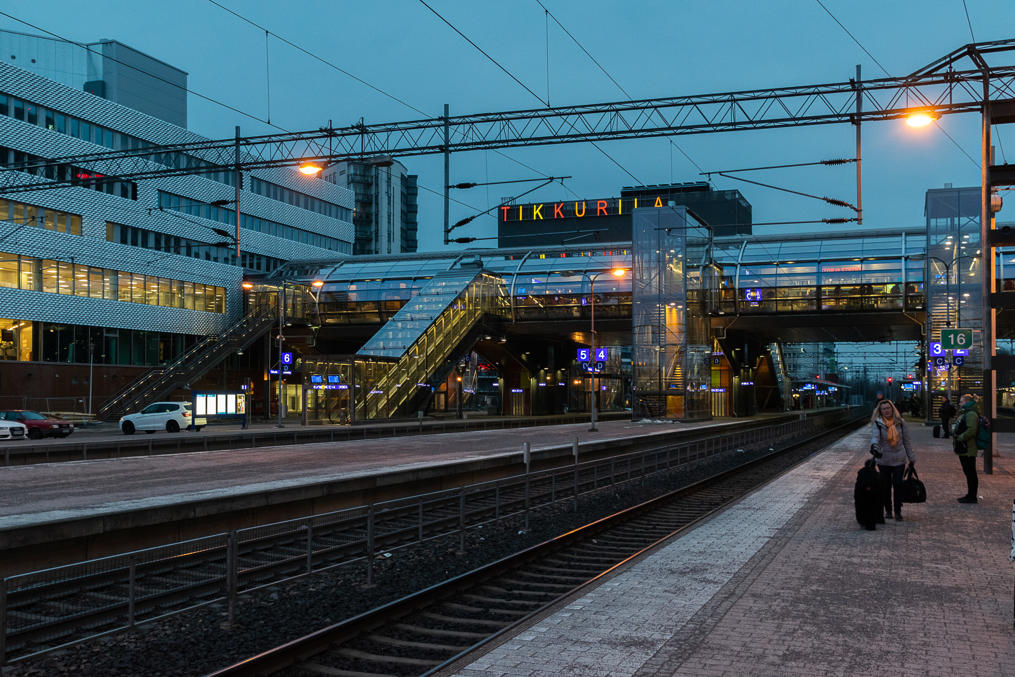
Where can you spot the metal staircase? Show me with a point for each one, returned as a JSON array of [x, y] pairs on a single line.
[[423, 335], [782, 376], [190, 366]]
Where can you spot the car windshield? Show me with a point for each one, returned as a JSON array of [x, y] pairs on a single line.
[[32, 416]]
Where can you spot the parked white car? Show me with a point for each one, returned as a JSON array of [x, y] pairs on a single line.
[[169, 416], [12, 430]]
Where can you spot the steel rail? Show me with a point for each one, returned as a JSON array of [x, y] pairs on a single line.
[[353, 646], [66, 605]]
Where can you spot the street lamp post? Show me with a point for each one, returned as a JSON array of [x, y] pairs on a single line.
[[281, 321], [616, 272]]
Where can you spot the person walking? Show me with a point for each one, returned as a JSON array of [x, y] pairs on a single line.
[[946, 412], [890, 445], [967, 425]]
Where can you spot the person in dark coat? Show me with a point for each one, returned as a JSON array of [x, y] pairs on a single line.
[[966, 426], [891, 447], [946, 412]]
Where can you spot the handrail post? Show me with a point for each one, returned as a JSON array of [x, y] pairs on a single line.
[[231, 576], [574, 451], [527, 458], [370, 546], [131, 593], [461, 520], [3, 621]]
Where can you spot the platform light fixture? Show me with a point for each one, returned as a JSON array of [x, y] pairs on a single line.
[[310, 168], [920, 119]]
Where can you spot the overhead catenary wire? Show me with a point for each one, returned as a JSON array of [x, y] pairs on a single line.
[[829, 200], [141, 70], [832, 162], [885, 70], [372, 86], [606, 73], [538, 97]]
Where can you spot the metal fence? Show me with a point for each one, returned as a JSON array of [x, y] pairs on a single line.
[[45, 610]]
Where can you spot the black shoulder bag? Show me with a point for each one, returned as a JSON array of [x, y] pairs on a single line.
[[913, 490]]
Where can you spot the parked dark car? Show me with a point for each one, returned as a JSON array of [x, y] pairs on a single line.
[[39, 426]]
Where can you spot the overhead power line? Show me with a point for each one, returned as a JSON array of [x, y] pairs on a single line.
[[141, 70], [318, 58], [538, 98], [867, 52], [481, 51]]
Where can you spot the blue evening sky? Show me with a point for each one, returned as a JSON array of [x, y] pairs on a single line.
[[652, 48]]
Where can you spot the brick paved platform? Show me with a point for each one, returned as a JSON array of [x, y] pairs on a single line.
[[787, 583]]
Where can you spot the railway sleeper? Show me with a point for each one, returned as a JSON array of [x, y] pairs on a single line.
[[319, 669], [551, 579], [458, 620], [424, 631], [549, 587], [479, 611], [540, 594], [410, 644], [496, 601], [386, 660]]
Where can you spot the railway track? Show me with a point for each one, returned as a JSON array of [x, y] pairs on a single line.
[[428, 631], [46, 610]]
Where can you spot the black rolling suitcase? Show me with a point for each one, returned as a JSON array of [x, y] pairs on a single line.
[[937, 430], [867, 495]]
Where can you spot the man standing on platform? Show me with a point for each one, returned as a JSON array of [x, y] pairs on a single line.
[[946, 412]]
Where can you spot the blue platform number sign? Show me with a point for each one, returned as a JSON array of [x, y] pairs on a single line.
[[962, 352], [940, 361], [752, 295], [936, 349], [287, 359], [958, 360], [602, 354], [584, 354]]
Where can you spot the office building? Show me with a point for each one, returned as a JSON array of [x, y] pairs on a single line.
[[386, 204], [122, 275]]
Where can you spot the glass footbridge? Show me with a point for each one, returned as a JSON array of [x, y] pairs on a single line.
[[402, 322]]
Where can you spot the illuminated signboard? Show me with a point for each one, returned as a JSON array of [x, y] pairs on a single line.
[[752, 295], [576, 209]]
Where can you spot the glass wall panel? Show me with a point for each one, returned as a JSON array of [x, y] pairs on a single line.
[[188, 295], [80, 279], [8, 271], [30, 273], [95, 282], [49, 276], [109, 291]]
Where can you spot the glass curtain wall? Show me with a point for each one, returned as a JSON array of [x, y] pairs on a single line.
[[954, 269], [671, 352]]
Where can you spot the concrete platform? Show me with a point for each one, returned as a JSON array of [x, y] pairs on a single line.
[[786, 582], [57, 513]]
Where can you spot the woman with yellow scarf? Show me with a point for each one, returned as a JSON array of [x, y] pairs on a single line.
[[890, 445]]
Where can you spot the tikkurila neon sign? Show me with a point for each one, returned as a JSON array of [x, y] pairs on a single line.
[[573, 210]]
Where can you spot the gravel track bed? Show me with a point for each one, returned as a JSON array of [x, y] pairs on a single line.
[[197, 642]]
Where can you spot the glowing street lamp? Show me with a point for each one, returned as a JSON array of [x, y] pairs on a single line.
[[310, 168], [919, 119]]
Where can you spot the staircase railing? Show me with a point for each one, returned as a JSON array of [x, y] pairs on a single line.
[[400, 386], [192, 364]]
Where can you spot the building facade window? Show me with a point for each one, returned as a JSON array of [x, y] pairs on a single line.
[[75, 279], [103, 136], [298, 199], [24, 214], [173, 244], [77, 176], [211, 212]]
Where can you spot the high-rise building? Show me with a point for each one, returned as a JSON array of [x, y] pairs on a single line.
[[126, 275], [386, 204]]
